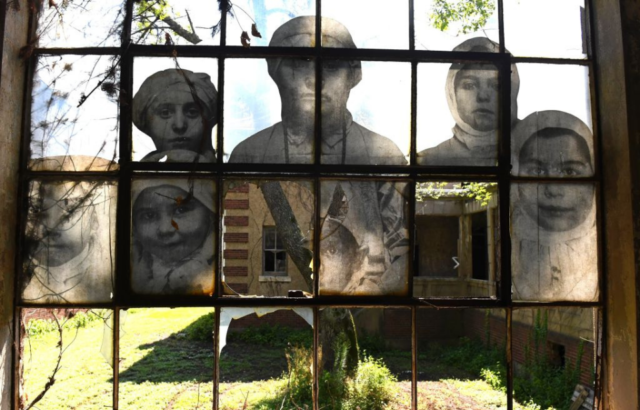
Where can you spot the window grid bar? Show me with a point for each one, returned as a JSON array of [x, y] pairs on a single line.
[[509, 352], [216, 359], [501, 35]]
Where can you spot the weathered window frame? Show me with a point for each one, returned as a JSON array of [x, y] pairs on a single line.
[[124, 298]]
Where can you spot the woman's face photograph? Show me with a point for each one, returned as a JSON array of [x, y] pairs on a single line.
[[476, 92], [61, 223], [340, 256], [556, 207], [168, 225], [175, 122]]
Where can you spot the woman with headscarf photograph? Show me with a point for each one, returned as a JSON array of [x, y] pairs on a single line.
[[554, 253], [173, 236], [70, 229], [472, 92], [177, 109]]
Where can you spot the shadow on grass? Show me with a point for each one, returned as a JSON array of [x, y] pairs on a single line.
[[181, 357]]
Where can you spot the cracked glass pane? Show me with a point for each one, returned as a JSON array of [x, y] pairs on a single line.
[[70, 242], [443, 25], [266, 358], [184, 22], [61, 364], [173, 236], [565, 33], [174, 110], [554, 251], [80, 23], [74, 113], [365, 358], [554, 355], [462, 359], [364, 248], [464, 260], [166, 359], [283, 260]]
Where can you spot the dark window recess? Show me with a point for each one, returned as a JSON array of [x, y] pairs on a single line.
[[480, 247], [274, 256]]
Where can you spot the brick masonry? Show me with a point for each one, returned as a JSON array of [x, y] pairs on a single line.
[[236, 221], [236, 204], [234, 271], [236, 254], [236, 237]]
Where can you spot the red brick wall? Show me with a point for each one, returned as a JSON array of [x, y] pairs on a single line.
[[236, 221], [236, 254], [236, 204], [236, 271], [236, 237]]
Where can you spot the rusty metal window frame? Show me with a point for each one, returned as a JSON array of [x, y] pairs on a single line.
[[316, 172]]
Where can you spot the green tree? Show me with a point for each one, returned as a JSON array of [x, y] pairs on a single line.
[[470, 15]]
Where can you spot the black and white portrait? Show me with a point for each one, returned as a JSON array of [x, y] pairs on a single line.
[[554, 252], [344, 141], [176, 109], [370, 216], [472, 94], [70, 242], [173, 243]]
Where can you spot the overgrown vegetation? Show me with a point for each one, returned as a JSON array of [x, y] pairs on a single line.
[[40, 327], [475, 191], [467, 16], [273, 336]]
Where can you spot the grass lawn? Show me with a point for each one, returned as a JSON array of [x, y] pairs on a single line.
[[162, 368]]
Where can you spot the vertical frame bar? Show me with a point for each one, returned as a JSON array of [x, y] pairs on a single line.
[[412, 27], [218, 290], [413, 144], [316, 372], [116, 357], [411, 208], [414, 357], [501, 34], [504, 164], [509, 347], [216, 359]]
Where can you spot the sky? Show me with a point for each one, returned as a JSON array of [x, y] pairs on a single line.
[[381, 102]]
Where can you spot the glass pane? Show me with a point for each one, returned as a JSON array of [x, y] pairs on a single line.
[[353, 113], [552, 144], [269, 262], [464, 218], [186, 22], [70, 242], [269, 17], [173, 236], [80, 23], [468, 108], [554, 87], [283, 208], [270, 237], [564, 33], [66, 357], [343, 24], [364, 248], [554, 242], [554, 357], [74, 117], [270, 114], [462, 359], [446, 25], [166, 359], [174, 110], [266, 358], [365, 358]]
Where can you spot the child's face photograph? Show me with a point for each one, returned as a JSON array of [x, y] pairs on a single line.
[[557, 207], [476, 89], [170, 225], [175, 122], [62, 223], [340, 256], [565, 155]]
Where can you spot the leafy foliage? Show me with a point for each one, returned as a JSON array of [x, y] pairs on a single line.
[[475, 191], [202, 329], [468, 15], [40, 327], [273, 336]]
